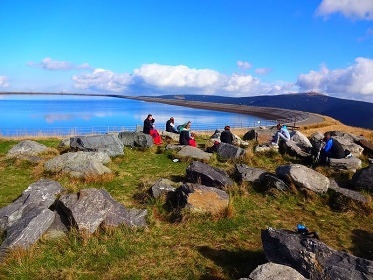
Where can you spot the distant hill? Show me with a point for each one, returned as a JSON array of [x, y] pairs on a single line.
[[349, 112]]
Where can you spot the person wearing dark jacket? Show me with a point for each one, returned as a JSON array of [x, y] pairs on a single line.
[[170, 126], [331, 149], [186, 137], [148, 124], [226, 136]]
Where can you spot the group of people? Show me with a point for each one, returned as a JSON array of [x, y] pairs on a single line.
[[186, 136], [329, 148]]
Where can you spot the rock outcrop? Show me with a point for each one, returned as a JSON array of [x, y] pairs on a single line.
[[107, 143]]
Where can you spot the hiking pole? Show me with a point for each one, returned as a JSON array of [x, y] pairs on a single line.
[[319, 152]]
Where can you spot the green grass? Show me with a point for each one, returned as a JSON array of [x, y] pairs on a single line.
[[196, 246]]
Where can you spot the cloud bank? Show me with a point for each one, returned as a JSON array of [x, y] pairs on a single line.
[[53, 65], [4, 81], [355, 9], [351, 82]]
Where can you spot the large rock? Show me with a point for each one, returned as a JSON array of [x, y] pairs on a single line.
[[292, 149], [303, 177], [228, 151], [351, 164], [341, 197], [250, 135], [363, 179], [368, 146], [28, 229], [42, 194], [138, 139], [248, 174], [26, 148], [201, 173], [193, 152], [93, 207], [262, 148], [312, 258], [274, 271], [269, 181], [170, 135], [161, 187], [301, 140], [79, 164], [348, 144], [107, 143], [200, 198]]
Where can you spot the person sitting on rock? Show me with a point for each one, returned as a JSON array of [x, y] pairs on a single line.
[[186, 136], [170, 126], [331, 149], [282, 133], [149, 128], [227, 136]]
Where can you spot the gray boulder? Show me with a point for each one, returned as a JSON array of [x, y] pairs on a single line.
[[93, 207], [28, 229], [274, 271], [312, 258], [64, 144], [269, 181], [162, 186], [79, 164], [301, 140], [41, 194], [303, 177], [200, 198], [368, 146], [341, 197], [26, 148], [363, 179], [248, 174], [293, 149], [228, 151], [316, 140], [351, 164], [348, 144], [250, 135], [201, 173], [265, 148], [136, 139], [174, 147], [170, 135], [107, 143], [193, 152]]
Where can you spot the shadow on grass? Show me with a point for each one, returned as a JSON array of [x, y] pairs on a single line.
[[363, 244], [236, 264]]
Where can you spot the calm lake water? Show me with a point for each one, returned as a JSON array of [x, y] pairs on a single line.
[[24, 114]]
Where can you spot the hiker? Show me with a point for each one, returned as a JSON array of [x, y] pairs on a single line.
[[331, 149], [183, 126], [170, 126], [148, 124], [282, 133], [227, 136], [149, 128], [186, 136]]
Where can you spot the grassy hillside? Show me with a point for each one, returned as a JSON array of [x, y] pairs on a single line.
[[178, 245]]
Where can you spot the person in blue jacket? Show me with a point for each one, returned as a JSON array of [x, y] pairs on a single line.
[[282, 133], [331, 149]]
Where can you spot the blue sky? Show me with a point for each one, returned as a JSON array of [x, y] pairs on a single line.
[[146, 47]]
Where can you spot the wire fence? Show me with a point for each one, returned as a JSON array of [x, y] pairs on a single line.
[[73, 131]]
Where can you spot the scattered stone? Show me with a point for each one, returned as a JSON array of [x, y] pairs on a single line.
[[265, 148], [274, 271], [136, 139], [250, 135], [368, 146], [348, 144], [269, 181], [79, 164], [108, 143], [312, 258], [193, 152], [303, 177], [292, 149], [127, 138], [202, 173], [26, 148], [248, 174], [162, 186], [174, 147], [228, 151], [200, 198], [363, 178], [301, 140], [351, 164], [170, 135], [64, 144]]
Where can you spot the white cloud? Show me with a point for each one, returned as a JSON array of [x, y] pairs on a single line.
[[50, 64], [102, 80], [356, 79], [356, 9], [156, 79], [4, 81], [243, 64], [263, 71]]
